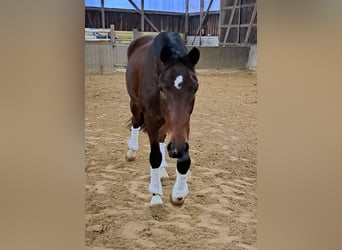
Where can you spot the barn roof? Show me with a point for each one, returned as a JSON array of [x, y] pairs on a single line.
[[157, 5]]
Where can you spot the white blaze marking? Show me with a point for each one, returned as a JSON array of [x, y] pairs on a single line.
[[178, 81]]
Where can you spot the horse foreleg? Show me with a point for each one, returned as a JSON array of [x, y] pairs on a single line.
[[155, 186], [180, 188], [163, 165]]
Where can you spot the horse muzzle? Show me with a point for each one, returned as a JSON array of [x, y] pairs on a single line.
[[177, 152]]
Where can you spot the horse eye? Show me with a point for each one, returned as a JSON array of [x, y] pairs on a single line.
[[161, 89]]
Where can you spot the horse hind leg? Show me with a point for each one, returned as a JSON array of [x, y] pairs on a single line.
[[133, 144], [133, 141]]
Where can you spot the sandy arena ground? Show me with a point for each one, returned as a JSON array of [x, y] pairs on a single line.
[[220, 210]]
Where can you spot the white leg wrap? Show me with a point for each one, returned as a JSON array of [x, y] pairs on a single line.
[[133, 141], [163, 164], [180, 189], [155, 186]]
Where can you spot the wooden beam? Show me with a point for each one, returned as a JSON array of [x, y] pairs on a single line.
[[152, 12], [238, 6], [112, 33], [142, 21], [147, 20], [230, 22], [103, 15], [220, 22], [211, 12], [250, 25], [186, 31], [201, 10], [246, 25], [239, 22], [202, 21]]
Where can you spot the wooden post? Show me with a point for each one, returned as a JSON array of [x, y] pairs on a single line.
[[201, 20], [112, 33], [186, 18], [135, 34], [230, 23], [220, 22], [250, 24], [142, 16], [103, 14], [147, 20], [239, 22]]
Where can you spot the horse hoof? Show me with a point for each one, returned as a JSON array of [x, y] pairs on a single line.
[[131, 154], [164, 177], [177, 201], [156, 201]]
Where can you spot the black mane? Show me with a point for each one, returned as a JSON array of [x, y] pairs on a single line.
[[174, 42]]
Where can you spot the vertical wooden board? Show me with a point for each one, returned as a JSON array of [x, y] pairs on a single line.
[[94, 16], [222, 34], [236, 16], [232, 35], [246, 14], [103, 17], [142, 21], [213, 24], [230, 22], [225, 16], [243, 31], [186, 24], [253, 36], [247, 38]]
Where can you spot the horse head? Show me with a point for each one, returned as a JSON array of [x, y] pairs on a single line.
[[177, 86]]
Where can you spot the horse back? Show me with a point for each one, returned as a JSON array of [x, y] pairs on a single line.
[[137, 43], [136, 53]]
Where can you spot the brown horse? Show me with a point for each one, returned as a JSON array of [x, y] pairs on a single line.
[[161, 82]]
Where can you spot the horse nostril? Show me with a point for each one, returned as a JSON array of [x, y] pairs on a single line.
[[173, 153], [177, 153], [169, 147]]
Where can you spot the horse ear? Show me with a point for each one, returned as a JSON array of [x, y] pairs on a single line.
[[194, 55], [165, 54]]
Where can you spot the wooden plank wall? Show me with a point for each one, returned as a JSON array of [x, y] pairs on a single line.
[[211, 27], [230, 22], [127, 20]]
